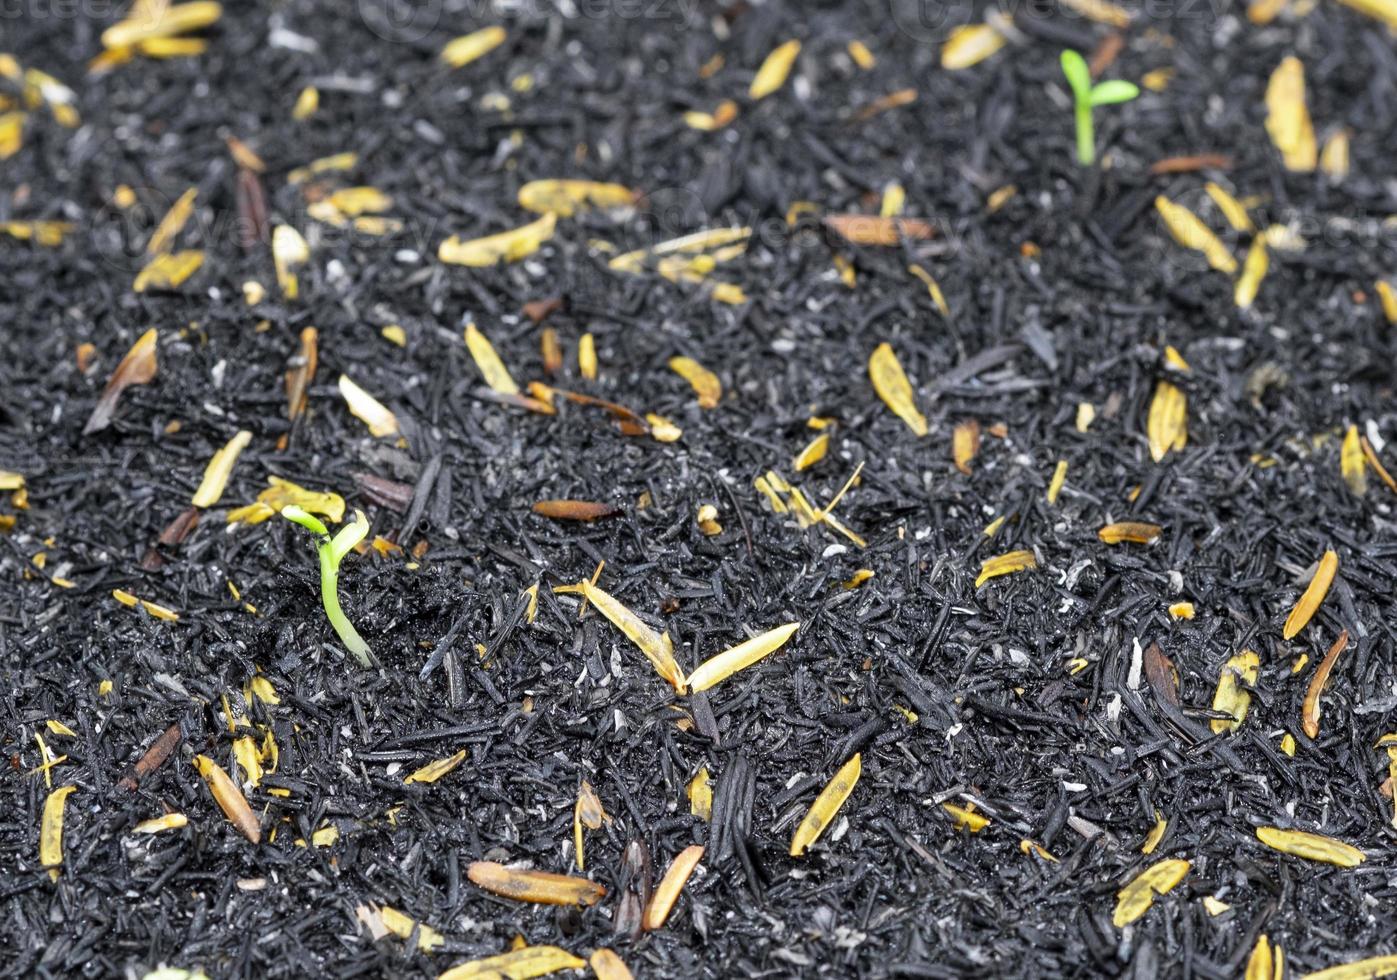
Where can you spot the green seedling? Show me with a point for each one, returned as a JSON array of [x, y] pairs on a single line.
[[332, 551], [1087, 97]]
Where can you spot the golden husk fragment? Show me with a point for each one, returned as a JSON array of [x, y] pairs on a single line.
[[283, 493], [1313, 595], [260, 688], [1334, 158], [894, 200], [1352, 463], [402, 925], [859, 577], [506, 246], [662, 429], [168, 270], [1136, 898], [745, 654], [1254, 269], [289, 252], [156, 20], [965, 444], [1135, 532], [1167, 423], [933, 289], [696, 243], [826, 805], [1311, 847], [812, 453], [1173, 360], [523, 963], [970, 44], [1155, 835], [667, 891], [707, 122], [462, 50], [966, 817], [11, 142], [368, 409], [172, 224], [892, 386], [332, 164], [229, 798], [156, 610], [538, 887], [587, 356], [1190, 232], [1264, 963], [1372, 967], [704, 382], [1287, 117], [50, 234], [657, 647], [707, 520], [51, 830], [567, 197], [249, 758], [1101, 11], [1383, 10], [772, 74], [218, 471], [608, 966], [1233, 695], [1055, 485], [157, 825], [354, 201], [1387, 299], [437, 768], [1231, 208], [701, 794], [1006, 564], [307, 103], [492, 369]]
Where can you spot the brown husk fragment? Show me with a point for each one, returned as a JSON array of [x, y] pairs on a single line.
[[138, 367]]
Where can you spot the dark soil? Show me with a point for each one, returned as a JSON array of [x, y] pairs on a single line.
[[1077, 760]]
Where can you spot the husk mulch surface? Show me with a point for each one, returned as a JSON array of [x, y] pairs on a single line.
[[1079, 761]]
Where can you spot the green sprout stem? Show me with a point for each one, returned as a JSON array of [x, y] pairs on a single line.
[[1086, 135], [1086, 96], [332, 551]]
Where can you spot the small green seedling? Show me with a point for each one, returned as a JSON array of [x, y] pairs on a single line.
[[1088, 97], [332, 550]]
